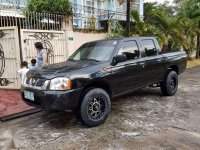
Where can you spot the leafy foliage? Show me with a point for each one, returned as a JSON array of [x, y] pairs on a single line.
[[49, 6], [93, 22], [176, 27], [190, 12], [192, 8], [117, 30]]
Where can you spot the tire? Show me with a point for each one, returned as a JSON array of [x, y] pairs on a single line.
[[170, 84], [95, 107]]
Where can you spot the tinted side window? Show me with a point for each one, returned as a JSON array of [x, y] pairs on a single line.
[[150, 48], [130, 49]]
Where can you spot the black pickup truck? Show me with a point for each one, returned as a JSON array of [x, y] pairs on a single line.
[[99, 71]]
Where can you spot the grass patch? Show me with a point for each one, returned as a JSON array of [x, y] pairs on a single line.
[[193, 63]]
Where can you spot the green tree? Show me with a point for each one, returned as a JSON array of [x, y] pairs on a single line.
[[159, 21], [191, 10], [49, 6], [117, 30], [179, 27], [175, 27], [151, 8], [159, 26], [190, 30], [93, 22]]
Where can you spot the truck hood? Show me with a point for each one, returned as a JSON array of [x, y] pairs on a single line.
[[60, 69]]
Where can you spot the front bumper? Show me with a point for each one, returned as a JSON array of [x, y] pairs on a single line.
[[53, 100]]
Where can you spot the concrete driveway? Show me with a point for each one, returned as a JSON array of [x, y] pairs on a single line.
[[143, 120]]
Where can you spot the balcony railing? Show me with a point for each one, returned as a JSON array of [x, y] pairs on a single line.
[[85, 17]]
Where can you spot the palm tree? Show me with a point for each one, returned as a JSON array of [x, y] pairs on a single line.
[[179, 29], [191, 10], [156, 25], [190, 30], [142, 28]]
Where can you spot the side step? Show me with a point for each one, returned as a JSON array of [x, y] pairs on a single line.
[[22, 114]]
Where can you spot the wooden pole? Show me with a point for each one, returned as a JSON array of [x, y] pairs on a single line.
[[128, 17]]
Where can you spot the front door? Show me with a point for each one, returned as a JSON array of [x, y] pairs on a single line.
[[129, 75]]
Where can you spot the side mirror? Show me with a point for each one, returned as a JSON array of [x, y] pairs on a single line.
[[118, 59]]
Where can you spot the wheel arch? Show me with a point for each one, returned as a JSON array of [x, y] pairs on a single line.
[[98, 84], [173, 68]]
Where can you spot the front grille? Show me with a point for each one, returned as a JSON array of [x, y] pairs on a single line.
[[34, 82], [40, 82], [27, 81]]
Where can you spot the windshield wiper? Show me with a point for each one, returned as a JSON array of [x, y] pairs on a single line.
[[70, 59], [91, 60]]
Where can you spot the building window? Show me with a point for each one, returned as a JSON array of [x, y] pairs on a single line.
[[89, 7]]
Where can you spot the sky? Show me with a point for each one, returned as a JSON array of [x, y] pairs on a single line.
[[159, 1]]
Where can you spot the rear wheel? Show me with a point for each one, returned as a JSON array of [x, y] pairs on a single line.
[[170, 84], [95, 107]]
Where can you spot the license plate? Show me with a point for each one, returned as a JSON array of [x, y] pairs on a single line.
[[29, 95]]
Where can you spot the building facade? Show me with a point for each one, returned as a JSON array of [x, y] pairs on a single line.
[[87, 14], [102, 10], [11, 4], [113, 5]]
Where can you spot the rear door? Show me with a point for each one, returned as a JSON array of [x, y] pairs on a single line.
[[130, 74], [154, 66]]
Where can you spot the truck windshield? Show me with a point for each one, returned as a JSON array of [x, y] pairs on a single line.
[[95, 51]]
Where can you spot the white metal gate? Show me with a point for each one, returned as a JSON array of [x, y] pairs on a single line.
[[18, 34], [9, 58], [53, 42]]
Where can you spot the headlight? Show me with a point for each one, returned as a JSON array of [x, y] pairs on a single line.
[[60, 84]]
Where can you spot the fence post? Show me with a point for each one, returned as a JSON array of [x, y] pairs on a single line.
[[69, 35]]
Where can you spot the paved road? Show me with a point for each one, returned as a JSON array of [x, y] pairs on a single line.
[[143, 120]]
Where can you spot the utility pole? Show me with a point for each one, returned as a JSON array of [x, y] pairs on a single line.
[[128, 14]]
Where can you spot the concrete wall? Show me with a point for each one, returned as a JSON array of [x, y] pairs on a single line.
[[79, 38], [74, 39]]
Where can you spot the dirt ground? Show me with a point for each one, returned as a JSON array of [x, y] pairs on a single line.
[[144, 120], [193, 63]]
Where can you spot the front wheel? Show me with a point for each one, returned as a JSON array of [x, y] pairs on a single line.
[[170, 84], [95, 107]]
